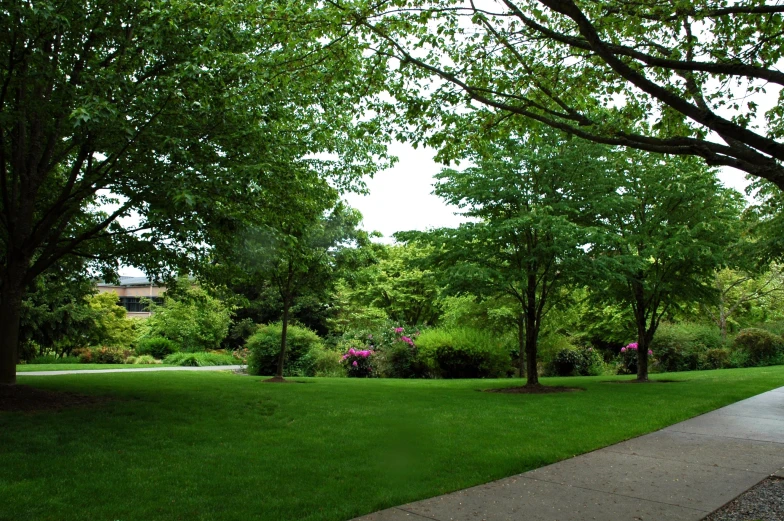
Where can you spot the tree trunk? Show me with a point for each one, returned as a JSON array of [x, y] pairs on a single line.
[[521, 343], [723, 326], [530, 358], [10, 311], [642, 357], [283, 331]]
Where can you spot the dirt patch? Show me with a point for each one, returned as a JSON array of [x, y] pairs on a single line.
[[539, 389], [22, 398], [644, 381], [277, 380]]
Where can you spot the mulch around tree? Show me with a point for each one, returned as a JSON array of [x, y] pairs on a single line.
[[643, 381], [539, 389], [22, 398]]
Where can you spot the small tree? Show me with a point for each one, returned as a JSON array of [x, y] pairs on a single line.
[[298, 250], [528, 196], [666, 226]]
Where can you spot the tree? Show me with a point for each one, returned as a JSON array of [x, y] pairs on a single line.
[[530, 197], [737, 290], [189, 317], [667, 225], [682, 78], [399, 284], [143, 132], [298, 250]]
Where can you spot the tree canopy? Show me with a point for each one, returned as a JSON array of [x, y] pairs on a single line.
[[143, 132], [687, 78]]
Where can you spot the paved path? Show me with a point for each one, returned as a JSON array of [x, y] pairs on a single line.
[[682, 472], [131, 370]]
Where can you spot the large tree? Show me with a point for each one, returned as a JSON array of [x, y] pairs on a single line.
[[694, 78], [140, 132]]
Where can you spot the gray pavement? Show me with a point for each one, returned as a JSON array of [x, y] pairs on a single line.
[[682, 472], [132, 370]]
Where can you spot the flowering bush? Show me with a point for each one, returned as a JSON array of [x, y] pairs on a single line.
[[627, 363], [358, 363]]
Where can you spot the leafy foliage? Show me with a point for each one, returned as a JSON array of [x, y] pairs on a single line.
[[761, 346], [264, 346], [464, 353], [189, 317], [199, 359], [157, 347]]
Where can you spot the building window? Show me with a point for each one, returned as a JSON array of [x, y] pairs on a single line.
[[135, 304]]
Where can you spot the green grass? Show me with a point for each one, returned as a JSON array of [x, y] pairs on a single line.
[[26, 368], [218, 446]]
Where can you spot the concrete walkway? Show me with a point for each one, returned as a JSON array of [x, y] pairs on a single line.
[[131, 370], [682, 472]]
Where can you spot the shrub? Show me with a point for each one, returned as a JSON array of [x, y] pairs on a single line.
[[358, 364], [627, 359], [301, 347], [328, 363], [54, 359], [110, 355], [715, 358], [85, 355], [157, 347], [739, 358], [464, 353], [681, 347], [199, 359], [762, 346], [577, 362], [142, 360]]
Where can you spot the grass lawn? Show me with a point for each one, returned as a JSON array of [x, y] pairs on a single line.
[[26, 368], [218, 446]]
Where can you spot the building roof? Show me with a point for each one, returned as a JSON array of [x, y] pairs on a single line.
[[130, 281]]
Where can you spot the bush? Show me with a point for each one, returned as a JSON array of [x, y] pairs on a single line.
[[54, 359], [715, 358], [142, 360], [358, 364], [577, 362], [464, 353], [763, 347], [84, 354], [328, 363], [199, 359], [681, 347], [157, 347], [302, 345], [110, 355]]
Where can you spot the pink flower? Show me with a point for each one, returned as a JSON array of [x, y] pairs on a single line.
[[351, 351], [364, 354], [345, 356], [623, 350], [398, 330], [355, 363], [407, 340], [633, 345], [650, 352]]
